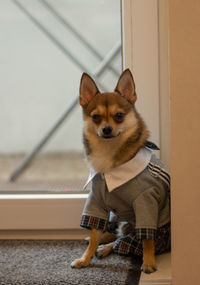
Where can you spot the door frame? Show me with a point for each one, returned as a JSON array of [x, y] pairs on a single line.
[[146, 53]]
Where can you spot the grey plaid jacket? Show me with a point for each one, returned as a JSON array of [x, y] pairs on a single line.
[[142, 201]]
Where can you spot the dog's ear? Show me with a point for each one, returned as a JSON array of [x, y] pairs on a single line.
[[126, 86], [88, 89]]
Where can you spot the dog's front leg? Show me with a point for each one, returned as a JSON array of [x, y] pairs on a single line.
[[90, 251], [149, 263]]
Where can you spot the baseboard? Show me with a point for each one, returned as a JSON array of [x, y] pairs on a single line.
[[73, 234]]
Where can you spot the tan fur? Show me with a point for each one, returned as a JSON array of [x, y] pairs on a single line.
[[90, 251], [108, 153], [102, 157], [149, 263], [105, 249]]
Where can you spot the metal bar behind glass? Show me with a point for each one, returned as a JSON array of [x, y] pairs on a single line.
[[76, 33]]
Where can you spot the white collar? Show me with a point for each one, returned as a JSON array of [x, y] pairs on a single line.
[[119, 175]]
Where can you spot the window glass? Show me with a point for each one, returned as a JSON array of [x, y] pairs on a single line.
[[46, 45]]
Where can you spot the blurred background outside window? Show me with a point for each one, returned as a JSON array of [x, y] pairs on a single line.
[[45, 47]]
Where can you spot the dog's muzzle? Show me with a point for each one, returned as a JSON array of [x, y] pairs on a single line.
[[107, 132]]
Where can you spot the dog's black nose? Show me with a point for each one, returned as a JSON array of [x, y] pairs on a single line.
[[107, 130]]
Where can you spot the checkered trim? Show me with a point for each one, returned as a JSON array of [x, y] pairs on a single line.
[[130, 244], [145, 234], [163, 240], [93, 222], [156, 171]]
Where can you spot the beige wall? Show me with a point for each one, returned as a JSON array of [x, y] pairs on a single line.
[[184, 16]]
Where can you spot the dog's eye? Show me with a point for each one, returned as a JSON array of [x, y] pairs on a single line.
[[119, 117], [96, 118]]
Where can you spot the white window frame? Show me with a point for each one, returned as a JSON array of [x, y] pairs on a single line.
[[22, 213], [41, 211]]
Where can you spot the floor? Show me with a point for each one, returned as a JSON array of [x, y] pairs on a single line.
[[59, 172]]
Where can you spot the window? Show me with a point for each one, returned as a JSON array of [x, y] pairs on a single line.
[[46, 45]]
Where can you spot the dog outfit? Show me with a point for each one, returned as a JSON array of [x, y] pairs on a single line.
[[136, 192]]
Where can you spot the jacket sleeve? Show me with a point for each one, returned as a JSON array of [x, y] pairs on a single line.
[[95, 213], [146, 207]]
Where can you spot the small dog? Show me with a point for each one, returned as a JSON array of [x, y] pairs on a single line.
[[128, 181]]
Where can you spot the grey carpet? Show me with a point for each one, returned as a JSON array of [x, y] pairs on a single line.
[[26, 262]]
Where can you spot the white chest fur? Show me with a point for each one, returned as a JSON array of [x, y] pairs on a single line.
[[102, 153]]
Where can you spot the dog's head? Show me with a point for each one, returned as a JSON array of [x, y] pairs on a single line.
[[108, 115]]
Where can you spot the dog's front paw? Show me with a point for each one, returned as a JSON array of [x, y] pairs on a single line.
[[104, 250], [80, 262], [149, 268]]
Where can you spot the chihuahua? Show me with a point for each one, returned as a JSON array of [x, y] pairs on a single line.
[[127, 179]]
